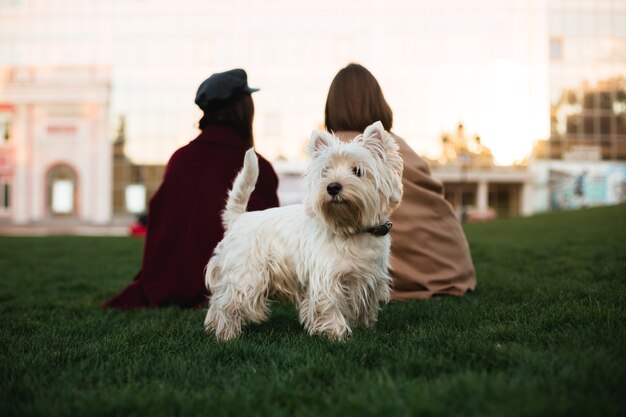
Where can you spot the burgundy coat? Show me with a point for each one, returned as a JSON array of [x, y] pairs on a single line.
[[184, 220]]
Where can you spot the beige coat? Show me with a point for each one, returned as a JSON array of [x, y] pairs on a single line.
[[429, 251]]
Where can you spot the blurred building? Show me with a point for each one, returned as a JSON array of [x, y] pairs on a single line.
[[583, 162], [477, 188], [133, 184], [588, 121], [587, 59], [515, 71], [55, 150], [437, 61]]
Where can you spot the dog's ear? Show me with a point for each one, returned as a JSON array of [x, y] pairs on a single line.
[[374, 139], [319, 141]]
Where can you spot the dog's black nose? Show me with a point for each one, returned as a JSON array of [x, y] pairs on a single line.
[[334, 188]]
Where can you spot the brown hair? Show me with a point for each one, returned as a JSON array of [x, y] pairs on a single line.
[[355, 101], [239, 116]]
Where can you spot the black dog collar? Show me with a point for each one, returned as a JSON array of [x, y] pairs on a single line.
[[380, 230]]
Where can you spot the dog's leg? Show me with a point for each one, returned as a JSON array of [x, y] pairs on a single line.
[[368, 315], [380, 294], [323, 316], [225, 316], [233, 304]]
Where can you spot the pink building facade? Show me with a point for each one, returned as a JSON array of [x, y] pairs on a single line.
[[55, 152]]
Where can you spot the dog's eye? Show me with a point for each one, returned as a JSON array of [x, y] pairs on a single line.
[[357, 171]]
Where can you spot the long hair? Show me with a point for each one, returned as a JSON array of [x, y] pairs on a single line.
[[355, 100], [238, 116]]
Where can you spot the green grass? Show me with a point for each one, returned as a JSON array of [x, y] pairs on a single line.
[[543, 335]]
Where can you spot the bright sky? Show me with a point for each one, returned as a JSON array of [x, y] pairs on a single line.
[[481, 62]]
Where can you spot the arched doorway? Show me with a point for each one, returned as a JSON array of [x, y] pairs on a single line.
[[62, 191]]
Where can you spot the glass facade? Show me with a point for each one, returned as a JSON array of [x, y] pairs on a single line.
[[483, 63], [587, 80]]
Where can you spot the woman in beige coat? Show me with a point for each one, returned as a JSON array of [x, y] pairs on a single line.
[[429, 251]]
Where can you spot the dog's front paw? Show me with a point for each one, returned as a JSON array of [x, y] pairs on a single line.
[[329, 322], [223, 333], [339, 335], [223, 329], [333, 331], [227, 333]]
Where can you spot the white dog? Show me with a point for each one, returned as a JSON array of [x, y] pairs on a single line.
[[330, 256]]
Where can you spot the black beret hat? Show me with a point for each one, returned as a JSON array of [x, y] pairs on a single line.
[[222, 89]]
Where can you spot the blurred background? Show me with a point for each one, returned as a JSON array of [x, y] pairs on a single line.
[[519, 106]]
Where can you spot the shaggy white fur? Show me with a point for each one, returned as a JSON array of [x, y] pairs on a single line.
[[322, 255]]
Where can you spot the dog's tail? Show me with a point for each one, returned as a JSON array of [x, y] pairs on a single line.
[[243, 186]]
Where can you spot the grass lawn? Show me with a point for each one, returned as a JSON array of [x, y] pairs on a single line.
[[545, 334]]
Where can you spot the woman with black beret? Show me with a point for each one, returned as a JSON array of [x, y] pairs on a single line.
[[184, 223]]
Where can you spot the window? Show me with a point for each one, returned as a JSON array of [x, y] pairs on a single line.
[[589, 125], [62, 194], [5, 195], [556, 49], [135, 196], [5, 128]]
